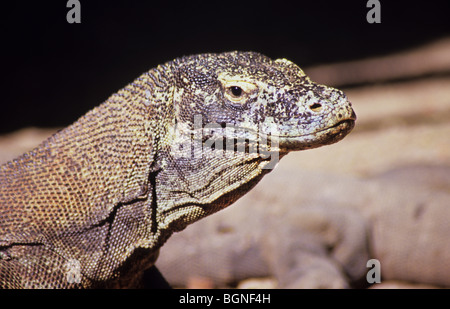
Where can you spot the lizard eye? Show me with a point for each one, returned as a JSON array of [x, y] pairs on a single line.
[[236, 94], [236, 91]]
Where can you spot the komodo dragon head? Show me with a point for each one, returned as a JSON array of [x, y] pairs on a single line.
[[234, 115], [261, 98]]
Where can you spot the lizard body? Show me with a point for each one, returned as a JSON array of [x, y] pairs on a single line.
[[91, 206]]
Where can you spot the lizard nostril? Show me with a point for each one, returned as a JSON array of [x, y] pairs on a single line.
[[316, 107]]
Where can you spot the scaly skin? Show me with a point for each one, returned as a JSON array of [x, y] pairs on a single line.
[[91, 206]]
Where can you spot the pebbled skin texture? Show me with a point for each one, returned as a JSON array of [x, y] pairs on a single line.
[[91, 205]]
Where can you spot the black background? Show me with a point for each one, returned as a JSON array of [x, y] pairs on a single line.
[[53, 72]]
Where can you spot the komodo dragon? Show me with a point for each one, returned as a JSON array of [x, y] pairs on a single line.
[[91, 205]]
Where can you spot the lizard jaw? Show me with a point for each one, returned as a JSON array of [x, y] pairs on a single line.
[[326, 136]]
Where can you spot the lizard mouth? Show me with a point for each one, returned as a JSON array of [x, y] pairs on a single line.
[[283, 143], [326, 136], [344, 126]]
